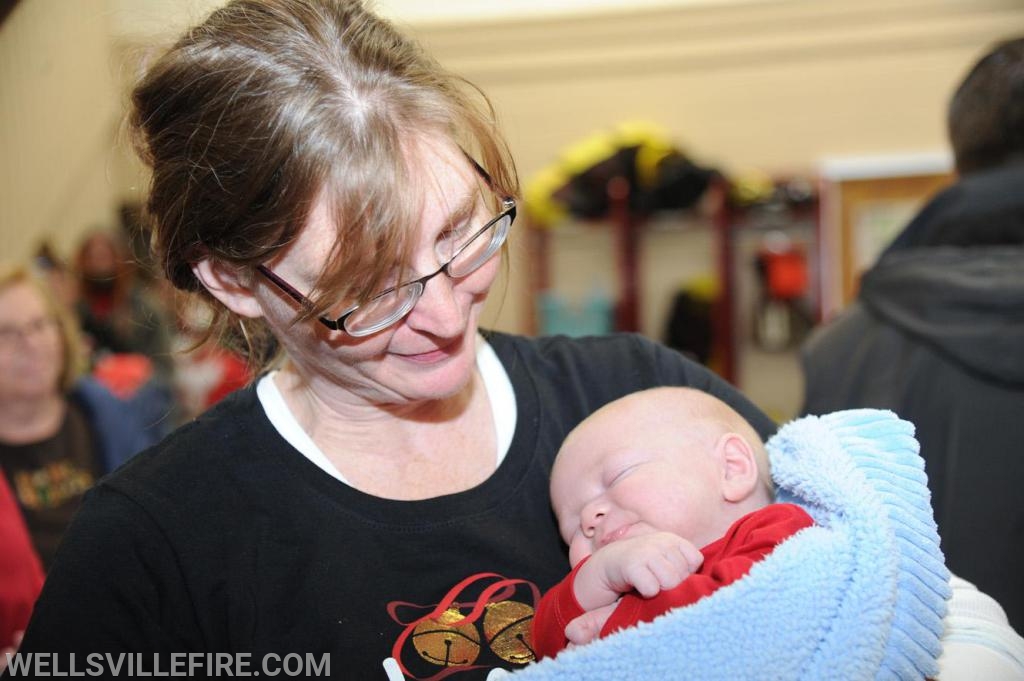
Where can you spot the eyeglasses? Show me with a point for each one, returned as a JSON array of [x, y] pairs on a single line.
[[387, 307], [10, 335]]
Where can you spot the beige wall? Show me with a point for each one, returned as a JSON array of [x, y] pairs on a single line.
[[59, 113], [769, 85], [776, 86]]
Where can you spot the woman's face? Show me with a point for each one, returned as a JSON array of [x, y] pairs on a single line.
[[430, 354], [31, 352], [98, 258]]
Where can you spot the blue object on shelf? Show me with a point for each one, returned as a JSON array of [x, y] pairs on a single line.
[[557, 316]]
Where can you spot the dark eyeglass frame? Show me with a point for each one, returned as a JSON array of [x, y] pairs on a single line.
[[9, 335], [508, 209]]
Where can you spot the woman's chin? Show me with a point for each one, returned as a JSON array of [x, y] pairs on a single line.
[[441, 381], [438, 380]]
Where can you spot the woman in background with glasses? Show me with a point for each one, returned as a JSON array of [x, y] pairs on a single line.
[[60, 428]]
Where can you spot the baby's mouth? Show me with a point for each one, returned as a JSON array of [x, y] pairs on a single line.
[[615, 535]]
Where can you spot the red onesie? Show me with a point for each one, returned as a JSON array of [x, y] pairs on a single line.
[[747, 541]]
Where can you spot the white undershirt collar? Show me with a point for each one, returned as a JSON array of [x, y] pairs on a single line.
[[495, 379]]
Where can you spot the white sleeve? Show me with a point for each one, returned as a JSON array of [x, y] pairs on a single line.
[[978, 641]]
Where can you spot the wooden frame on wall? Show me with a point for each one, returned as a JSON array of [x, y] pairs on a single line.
[[865, 202]]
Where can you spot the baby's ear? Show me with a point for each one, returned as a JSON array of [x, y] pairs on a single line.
[[226, 284], [740, 476]]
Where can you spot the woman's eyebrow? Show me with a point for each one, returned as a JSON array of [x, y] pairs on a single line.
[[464, 207]]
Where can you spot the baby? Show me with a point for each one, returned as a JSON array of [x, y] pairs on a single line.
[[637, 487]]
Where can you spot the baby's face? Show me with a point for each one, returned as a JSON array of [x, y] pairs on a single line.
[[628, 471]]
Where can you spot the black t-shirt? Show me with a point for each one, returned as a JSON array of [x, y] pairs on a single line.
[[224, 538], [50, 477]]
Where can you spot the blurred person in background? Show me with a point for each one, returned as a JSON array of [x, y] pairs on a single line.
[[126, 323], [60, 430], [204, 373], [937, 334], [117, 314]]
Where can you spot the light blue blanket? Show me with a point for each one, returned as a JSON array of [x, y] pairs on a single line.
[[861, 595]]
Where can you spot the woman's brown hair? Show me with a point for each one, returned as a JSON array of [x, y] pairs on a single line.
[[270, 105]]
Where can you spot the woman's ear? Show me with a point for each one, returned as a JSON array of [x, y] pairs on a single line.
[[225, 283], [740, 477]]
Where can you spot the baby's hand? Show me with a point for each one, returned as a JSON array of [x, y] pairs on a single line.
[[648, 564], [588, 626]]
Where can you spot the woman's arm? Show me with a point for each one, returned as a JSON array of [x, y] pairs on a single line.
[[114, 586]]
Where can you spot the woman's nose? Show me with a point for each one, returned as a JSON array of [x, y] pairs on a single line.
[[438, 311]]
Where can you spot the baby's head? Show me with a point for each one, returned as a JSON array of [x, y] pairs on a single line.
[[665, 459]]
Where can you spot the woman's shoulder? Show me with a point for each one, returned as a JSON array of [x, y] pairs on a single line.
[[624, 358], [200, 454], [598, 369], [620, 346]]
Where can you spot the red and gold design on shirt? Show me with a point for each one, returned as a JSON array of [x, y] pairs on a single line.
[[482, 622]]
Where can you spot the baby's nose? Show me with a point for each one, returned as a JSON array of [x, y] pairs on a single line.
[[592, 517]]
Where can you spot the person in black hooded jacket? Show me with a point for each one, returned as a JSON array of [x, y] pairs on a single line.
[[937, 335]]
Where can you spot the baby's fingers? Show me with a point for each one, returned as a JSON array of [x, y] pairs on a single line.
[[649, 579], [667, 570], [587, 626], [692, 555], [658, 574]]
